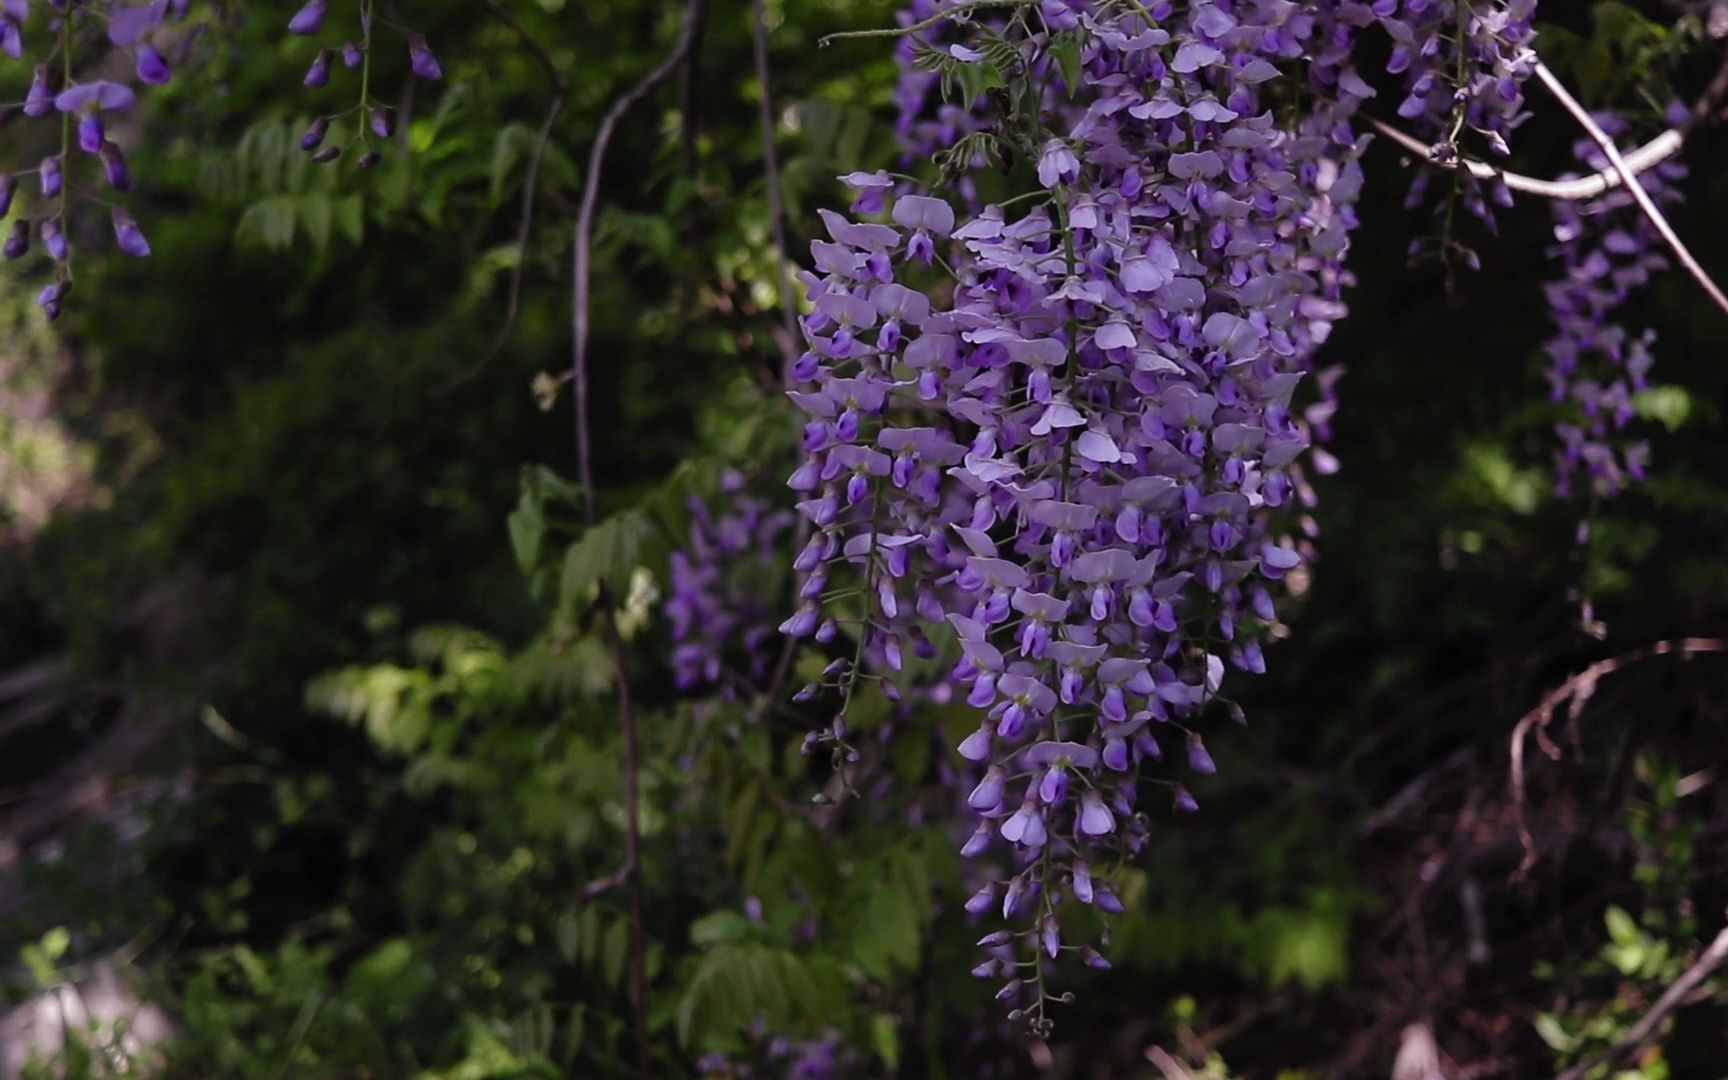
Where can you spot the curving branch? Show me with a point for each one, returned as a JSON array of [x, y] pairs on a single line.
[[1575, 693], [1630, 178], [530, 186], [776, 213], [1651, 154], [631, 871]]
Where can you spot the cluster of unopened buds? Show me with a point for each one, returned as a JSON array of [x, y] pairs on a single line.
[[83, 108], [371, 118]]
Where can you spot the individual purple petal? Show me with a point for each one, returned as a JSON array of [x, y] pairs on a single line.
[[90, 133], [1095, 817], [351, 55], [39, 100], [1198, 759], [152, 69], [54, 239], [8, 188], [114, 164], [51, 176], [127, 24], [94, 97], [383, 121]]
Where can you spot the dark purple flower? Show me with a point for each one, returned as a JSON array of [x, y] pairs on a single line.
[[51, 176], [319, 73], [128, 235], [119, 176], [351, 55], [91, 133], [53, 239], [421, 60], [315, 132], [308, 19], [152, 69], [51, 295], [17, 241], [383, 121], [8, 188], [39, 100]]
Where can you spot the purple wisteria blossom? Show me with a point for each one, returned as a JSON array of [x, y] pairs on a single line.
[[722, 619], [1071, 468], [1464, 65], [374, 121], [54, 92], [1606, 248]]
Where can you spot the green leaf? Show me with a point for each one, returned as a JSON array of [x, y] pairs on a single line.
[[1066, 50], [527, 524], [975, 78], [1621, 927], [720, 928], [606, 554]]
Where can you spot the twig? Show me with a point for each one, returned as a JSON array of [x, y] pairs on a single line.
[[1169, 1066], [958, 11], [1646, 157], [1651, 154], [776, 214], [1578, 690], [631, 871], [1638, 1034], [1633, 187], [690, 84], [530, 184]]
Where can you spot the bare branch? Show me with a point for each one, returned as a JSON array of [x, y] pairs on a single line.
[[1575, 693], [530, 185], [1648, 156], [1651, 154], [1630, 178], [776, 215], [1639, 1034], [631, 871]]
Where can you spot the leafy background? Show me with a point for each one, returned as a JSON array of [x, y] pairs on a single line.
[[306, 729]]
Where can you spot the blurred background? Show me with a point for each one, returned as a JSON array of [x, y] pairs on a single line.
[[307, 734]]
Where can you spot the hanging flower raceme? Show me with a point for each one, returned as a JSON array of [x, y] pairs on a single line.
[[1464, 64], [86, 106], [722, 620], [1606, 248], [1071, 468], [371, 117]]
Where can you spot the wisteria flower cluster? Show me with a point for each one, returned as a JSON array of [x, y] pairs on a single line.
[[57, 30], [1606, 248], [780, 1058], [722, 619], [1071, 466], [1464, 64], [372, 118]]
